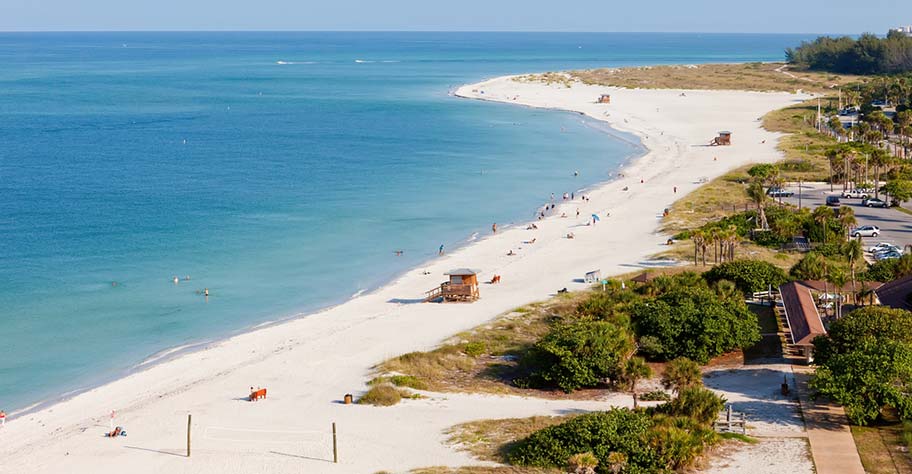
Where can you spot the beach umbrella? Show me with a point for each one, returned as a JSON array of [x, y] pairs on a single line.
[[595, 217]]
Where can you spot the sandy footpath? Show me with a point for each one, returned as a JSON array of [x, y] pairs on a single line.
[[310, 363]]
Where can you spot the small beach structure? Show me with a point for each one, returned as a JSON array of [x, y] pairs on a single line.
[[604, 99], [724, 138], [643, 278], [594, 276], [802, 302], [462, 287], [802, 317]]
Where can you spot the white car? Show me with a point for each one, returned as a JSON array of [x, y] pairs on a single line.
[[883, 247], [858, 193], [865, 231]]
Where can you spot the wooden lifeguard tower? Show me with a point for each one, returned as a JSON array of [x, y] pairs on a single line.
[[724, 138], [462, 287], [604, 99]]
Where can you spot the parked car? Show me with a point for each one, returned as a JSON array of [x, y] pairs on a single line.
[[778, 192], [857, 193], [887, 255], [874, 202], [865, 231], [884, 246], [832, 201]]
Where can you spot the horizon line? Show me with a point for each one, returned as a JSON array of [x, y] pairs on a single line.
[[3, 30]]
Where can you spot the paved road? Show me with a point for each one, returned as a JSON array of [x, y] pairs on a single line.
[[895, 226]]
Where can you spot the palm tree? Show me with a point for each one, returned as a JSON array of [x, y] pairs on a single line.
[[879, 159], [727, 290], [732, 241], [822, 216], [635, 369], [714, 234], [854, 253], [847, 219], [838, 279], [699, 240], [757, 194]]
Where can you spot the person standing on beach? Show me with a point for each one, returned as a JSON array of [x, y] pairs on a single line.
[[676, 190], [2, 418], [440, 250], [494, 228]]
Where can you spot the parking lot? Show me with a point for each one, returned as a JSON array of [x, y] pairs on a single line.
[[895, 226]]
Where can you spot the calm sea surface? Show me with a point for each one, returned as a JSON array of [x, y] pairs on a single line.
[[279, 170]]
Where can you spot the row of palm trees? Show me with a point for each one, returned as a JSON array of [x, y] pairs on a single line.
[[723, 242], [850, 163]]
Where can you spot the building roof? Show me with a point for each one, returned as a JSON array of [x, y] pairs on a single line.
[[801, 312], [822, 286], [896, 293], [644, 277], [462, 272]]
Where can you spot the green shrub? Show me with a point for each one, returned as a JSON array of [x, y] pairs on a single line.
[[865, 363], [749, 275], [474, 349], [381, 395], [409, 381], [682, 373], [621, 440], [696, 403], [576, 355], [883, 271], [582, 462], [601, 433], [692, 322], [655, 396]]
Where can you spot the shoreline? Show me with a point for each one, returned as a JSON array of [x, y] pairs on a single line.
[[385, 322], [171, 353]]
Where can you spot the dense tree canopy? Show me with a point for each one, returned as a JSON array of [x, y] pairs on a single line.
[[692, 322], [748, 275], [866, 363], [866, 55], [579, 354]]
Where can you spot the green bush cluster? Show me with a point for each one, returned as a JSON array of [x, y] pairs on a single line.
[[655, 396], [865, 363], [867, 54], [693, 322], [748, 275], [623, 440], [577, 355]]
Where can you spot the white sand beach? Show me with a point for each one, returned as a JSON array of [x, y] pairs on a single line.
[[308, 364]]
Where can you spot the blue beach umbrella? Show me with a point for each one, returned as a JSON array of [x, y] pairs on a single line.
[[595, 217]]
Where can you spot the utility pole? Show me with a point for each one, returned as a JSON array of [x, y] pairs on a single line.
[[818, 114]]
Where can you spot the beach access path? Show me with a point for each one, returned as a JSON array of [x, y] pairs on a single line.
[[308, 364], [829, 434]]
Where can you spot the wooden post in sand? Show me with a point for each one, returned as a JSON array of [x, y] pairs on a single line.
[[335, 450], [189, 418]]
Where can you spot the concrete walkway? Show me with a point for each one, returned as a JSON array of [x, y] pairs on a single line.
[[832, 445]]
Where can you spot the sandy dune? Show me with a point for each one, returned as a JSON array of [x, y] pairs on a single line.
[[310, 363]]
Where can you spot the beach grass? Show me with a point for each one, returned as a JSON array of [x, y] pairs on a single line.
[[382, 395], [490, 440], [483, 359], [803, 146], [746, 77], [804, 150]]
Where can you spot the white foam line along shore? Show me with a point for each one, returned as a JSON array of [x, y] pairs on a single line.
[[308, 364]]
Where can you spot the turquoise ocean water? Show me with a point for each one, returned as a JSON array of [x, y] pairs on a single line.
[[279, 170]]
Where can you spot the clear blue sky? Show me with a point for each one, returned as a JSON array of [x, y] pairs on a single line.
[[772, 16]]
